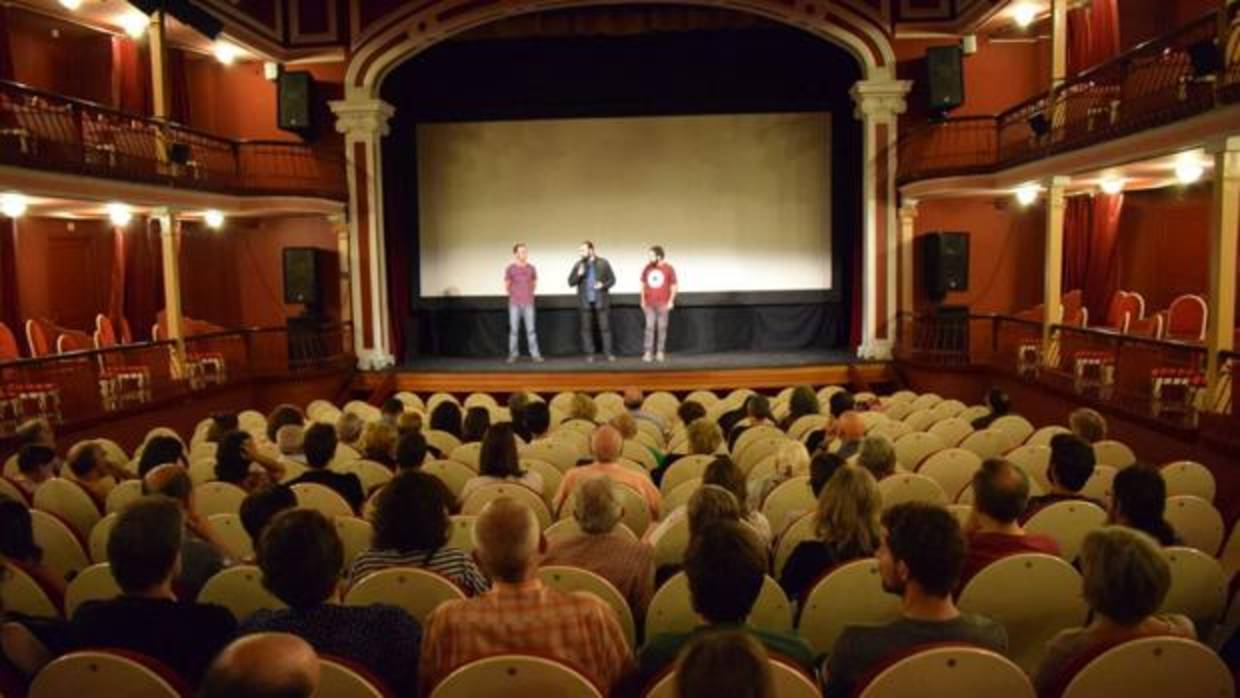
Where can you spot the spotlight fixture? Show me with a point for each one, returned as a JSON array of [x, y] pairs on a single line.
[[1112, 185], [134, 24], [225, 52], [1024, 14], [71, 4], [1026, 194], [1188, 170], [213, 218], [119, 214], [13, 204]]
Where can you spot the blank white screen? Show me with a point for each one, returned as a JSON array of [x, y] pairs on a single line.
[[741, 202]]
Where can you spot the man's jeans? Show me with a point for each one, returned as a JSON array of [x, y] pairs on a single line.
[[516, 315], [655, 316]]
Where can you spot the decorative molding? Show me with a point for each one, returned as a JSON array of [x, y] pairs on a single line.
[[880, 100], [875, 350], [374, 360], [362, 118]]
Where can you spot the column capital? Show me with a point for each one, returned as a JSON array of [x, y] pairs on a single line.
[[1223, 145], [362, 117], [1056, 182], [908, 208], [879, 100], [338, 221]]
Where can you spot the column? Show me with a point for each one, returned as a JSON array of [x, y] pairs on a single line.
[[160, 97], [169, 238], [878, 104], [908, 229], [1224, 222], [1059, 42], [340, 226], [364, 123], [1052, 275]]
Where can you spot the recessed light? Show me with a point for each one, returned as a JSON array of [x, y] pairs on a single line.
[[1026, 194], [13, 204], [119, 214]]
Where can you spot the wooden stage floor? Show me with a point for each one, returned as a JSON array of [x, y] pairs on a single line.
[[680, 373]]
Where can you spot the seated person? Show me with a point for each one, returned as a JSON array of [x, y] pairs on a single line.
[[724, 473], [391, 410], [221, 424], [18, 548], [1124, 578], [234, 460], [261, 506], [348, 430], [411, 527], [877, 455], [1000, 405], [1139, 500], [474, 427], [757, 413], [606, 445], [841, 401], [849, 431], [821, 468], [411, 450], [702, 436], [993, 531], [725, 565], [144, 549], [919, 559], [1088, 424], [1071, 466], [203, 553], [801, 403], [688, 412], [263, 665], [791, 460], [282, 416], [89, 467], [731, 664], [290, 439], [320, 447], [37, 431], [36, 464], [633, 402], [847, 528], [499, 462], [600, 548], [408, 422], [520, 615], [582, 407], [301, 557], [447, 417], [537, 420], [517, 402], [379, 443], [161, 450]]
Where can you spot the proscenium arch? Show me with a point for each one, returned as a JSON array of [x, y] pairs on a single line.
[[415, 28]]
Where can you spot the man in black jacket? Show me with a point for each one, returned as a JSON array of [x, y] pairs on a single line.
[[593, 278]]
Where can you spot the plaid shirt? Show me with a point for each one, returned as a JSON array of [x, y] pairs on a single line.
[[626, 563], [529, 618], [638, 481]]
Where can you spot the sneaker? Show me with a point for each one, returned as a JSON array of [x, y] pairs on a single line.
[[661, 357], [538, 359], [611, 357], [512, 360], [646, 357]]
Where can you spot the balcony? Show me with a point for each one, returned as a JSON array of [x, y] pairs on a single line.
[[1160, 82], [44, 131]]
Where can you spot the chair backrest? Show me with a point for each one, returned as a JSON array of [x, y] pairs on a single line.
[[1198, 587], [789, 681], [670, 546], [229, 530], [69, 501], [372, 475], [507, 676], [121, 495], [1043, 436], [461, 532], [684, 469], [759, 449], [558, 453], [798, 531], [671, 608], [1189, 477], [974, 412], [322, 499], [950, 671], [1068, 523], [636, 511], [338, 677], [789, 498], [851, 594], [451, 473], [1197, 522], [239, 589], [988, 443], [98, 540], [63, 552], [469, 454], [217, 498], [9, 351], [947, 408], [910, 487], [807, 423], [952, 468], [639, 452], [40, 337], [103, 673], [1100, 484], [753, 435], [1153, 667], [919, 419], [891, 429], [951, 430], [1114, 453], [926, 400], [418, 591], [1050, 601], [442, 440], [1230, 557], [1017, 428], [912, 449], [355, 534], [575, 579], [20, 593], [485, 494], [1186, 318], [1035, 460], [95, 583]]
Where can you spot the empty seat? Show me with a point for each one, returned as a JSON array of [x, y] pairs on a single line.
[[912, 449], [910, 487], [952, 468], [1068, 523], [1198, 587], [1197, 522], [684, 469], [450, 473], [467, 454], [418, 591], [1015, 426], [1035, 460], [69, 501], [1189, 477], [988, 443], [1114, 453], [951, 430], [574, 579]]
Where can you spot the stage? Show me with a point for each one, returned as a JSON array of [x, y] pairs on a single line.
[[710, 371]]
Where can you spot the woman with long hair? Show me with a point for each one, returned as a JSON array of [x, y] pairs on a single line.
[[234, 457], [498, 461]]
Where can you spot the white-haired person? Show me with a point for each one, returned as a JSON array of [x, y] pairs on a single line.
[[791, 460]]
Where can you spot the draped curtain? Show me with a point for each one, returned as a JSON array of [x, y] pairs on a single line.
[[131, 80], [10, 303], [116, 287], [143, 277], [6, 57], [178, 87], [1091, 250], [1093, 35]]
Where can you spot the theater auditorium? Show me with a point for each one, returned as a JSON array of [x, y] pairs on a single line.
[[632, 348]]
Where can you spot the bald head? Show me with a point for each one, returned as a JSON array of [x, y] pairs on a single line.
[[170, 480], [264, 665], [1000, 490], [508, 540], [852, 427], [606, 444]]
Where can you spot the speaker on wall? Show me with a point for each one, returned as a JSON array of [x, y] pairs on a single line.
[[295, 104], [945, 77], [944, 263], [302, 275]]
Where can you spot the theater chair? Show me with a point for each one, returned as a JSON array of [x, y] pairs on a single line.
[[203, 366], [16, 393], [112, 365], [108, 673]]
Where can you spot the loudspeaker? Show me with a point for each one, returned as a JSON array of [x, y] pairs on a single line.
[[296, 101], [302, 274], [1205, 57], [944, 263], [945, 77], [178, 153]]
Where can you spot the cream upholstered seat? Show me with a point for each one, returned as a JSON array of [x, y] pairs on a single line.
[[1189, 477], [217, 498], [228, 528], [322, 499], [952, 468], [442, 440], [1153, 667], [1197, 522], [669, 549], [1015, 426], [789, 681], [1100, 482], [69, 501], [797, 532], [753, 435], [1068, 523], [790, 497], [973, 412], [1230, 557], [450, 473], [551, 476], [684, 469], [201, 470], [20, 593], [356, 535], [891, 429], [461, 532], [807, 423], [418, 591], [509, 676], [1198, 587], [95, 583], [1043, 436], [485, 494], [925, 401], [950, 671], [1114, 453], [239, 589], [920, 419], [63, 552], [467, 453], [339, 678], [639, 452], [1050, 601], [121, 495], [988, 443], [98, 540], [569, 528], [480, 400], [102, 673], [910, 487], [680, 496], [951, 430], [371, 474], [671, 608], [1035, 460], [897, 411], [946, 409], [562, 455], [575, 579], [851, 594], [912, 449]]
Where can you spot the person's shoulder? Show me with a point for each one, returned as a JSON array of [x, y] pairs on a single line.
[[381, 615], [983, 630], [1179, 624]]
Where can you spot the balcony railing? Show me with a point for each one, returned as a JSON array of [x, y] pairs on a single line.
[[84, 385], [1159, 82], [46, 131]]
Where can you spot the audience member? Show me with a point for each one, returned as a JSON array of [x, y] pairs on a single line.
[[725, 565], [600, 548], [878, 456], [689, 411], [498, 462], [1088, 424], [1124, 579], [846, 525], [221, 424], [633, 404], [520, 615], [263, 665], [821, 467], [160, 450], [36, 464], [516, 403], [283, 415], [721, 471], [36, 431], [625, 424], [538, 420], [390, 411], [348, 429], [446, 417], [757, 413], [1139, 500], [411, 449], [606, 445], [203, 554], [1000, 405], [408, 423], [320, 448], [919, 558], [89, 467], [143, 549], [290, 440], [582, 407], [1071, 466], [411, 526], [234, 458], [261, 506], [378, 443], [474, 427], [849, 432], [711, 504], [729, 664], [1000, 495], [702, 436], [18, 547], [301, 558], [801, 403], [791, 460], [841, 401]]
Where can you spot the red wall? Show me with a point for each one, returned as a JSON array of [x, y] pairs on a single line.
[[236, 101], [1142, 20], [59, 57], [64, 274]]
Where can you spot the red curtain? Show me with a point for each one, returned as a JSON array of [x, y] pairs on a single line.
[[116, 289], [131, 79], [6, 57], [178, 87], [144, 278], [10, 303], [1093, 35], [1091, 250]]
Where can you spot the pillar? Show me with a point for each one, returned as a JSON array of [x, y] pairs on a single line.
[[1059, 42], [878, 105], [1224, 221], [364, 123], [1052, 276], [908, 229], [340, 227], [160, 94], [169, 239]]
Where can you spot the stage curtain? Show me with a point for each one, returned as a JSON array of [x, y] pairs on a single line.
[[1091, 250], [144, 278], [1093, 35], [6, 56], [131, 81], [178, 87], [10, 302]]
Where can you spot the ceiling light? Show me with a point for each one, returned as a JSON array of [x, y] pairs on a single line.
[[119, 214], [70, 4], [1188, 170], [1025, 13], [134, 24], [13, 204], [214, 219], [225, 52], [1026, 194], [1112, 185]]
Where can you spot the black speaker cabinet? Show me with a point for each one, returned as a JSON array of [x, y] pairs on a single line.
[[303, 275], [945, 77], [296, 101], [944, 263]]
